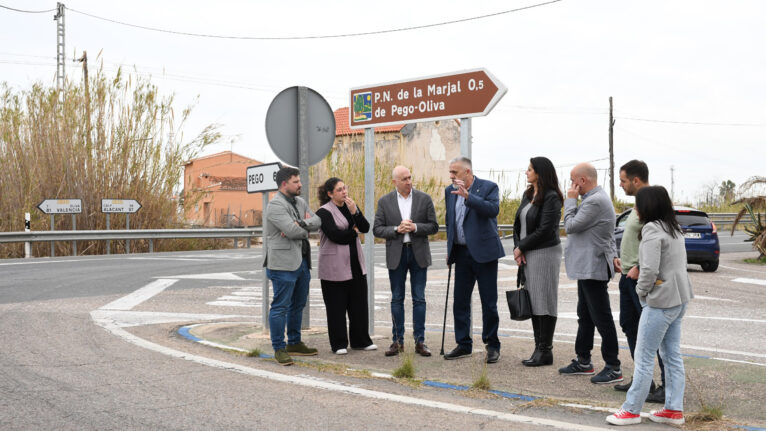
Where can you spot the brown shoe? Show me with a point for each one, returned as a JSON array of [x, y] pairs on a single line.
[[422, 350], [394, 349]]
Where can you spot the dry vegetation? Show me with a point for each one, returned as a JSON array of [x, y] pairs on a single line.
[[122, 139]]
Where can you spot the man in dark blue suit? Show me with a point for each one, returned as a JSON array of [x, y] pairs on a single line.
[[473, 245]]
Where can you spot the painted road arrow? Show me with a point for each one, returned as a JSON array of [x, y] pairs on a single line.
[[470, 93]]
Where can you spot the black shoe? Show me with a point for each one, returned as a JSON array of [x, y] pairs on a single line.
[[577, 368], [493, 355], [625, 386], [457, 352], [607, 375], [533, 358], [657, 395]]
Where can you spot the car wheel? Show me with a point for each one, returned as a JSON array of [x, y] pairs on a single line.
[[710, 266]]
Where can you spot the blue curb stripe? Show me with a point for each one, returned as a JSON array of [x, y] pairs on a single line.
[[503, 394], [743, 427], [184, 332]]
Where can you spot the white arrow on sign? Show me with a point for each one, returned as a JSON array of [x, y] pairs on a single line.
[[263, 178], [129, 206], [61, 206]]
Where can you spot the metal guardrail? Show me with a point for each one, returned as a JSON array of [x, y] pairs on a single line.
[[720, 219], [130, 234]]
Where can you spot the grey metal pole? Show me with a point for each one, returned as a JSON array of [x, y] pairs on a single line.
[[369, 211], [265, 289], [303, 165], [127, 226], [53, 227], [465, 137], [74, 227], [108, 243]]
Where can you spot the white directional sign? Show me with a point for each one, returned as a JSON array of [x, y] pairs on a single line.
[[263, 178], [61, 206], [129, 206]]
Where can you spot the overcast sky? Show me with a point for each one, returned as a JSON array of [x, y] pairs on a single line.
[[667, 62]]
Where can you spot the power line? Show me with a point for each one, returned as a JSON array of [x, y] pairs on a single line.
[[27, 11], [330, 36], [694, 123]]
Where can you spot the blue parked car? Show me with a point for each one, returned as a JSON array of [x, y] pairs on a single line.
[[700, 235]]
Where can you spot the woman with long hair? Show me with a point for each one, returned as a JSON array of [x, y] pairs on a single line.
[[537, 247], [664, 291], [341, 268]]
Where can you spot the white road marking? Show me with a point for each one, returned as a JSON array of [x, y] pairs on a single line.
[[128, 302], [741, 269], [713, 298], [211, 276], [138, 318], [169, 258], [757, 281], [334, 386], [36, 262]]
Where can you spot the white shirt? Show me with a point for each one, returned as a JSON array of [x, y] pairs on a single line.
[[405, 209]]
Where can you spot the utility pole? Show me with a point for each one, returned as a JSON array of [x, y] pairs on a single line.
[[60, 49], [611, 150], [84, 61]]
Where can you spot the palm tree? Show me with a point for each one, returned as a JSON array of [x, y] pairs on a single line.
[[750, 205]]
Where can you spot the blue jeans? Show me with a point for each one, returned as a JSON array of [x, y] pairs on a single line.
[[659, 328], [398, 278], [630, 315], [291, 288]]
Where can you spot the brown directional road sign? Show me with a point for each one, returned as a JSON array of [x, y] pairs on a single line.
[[470, 93]]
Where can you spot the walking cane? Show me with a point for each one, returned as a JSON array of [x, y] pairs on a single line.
[[446, 301]]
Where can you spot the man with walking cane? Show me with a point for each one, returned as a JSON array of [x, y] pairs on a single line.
[[474, 246], [405, 218]]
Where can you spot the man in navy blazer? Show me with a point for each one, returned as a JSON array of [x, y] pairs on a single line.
[[474, 246]]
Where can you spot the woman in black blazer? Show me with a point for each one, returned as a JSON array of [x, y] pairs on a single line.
[[537, 246]]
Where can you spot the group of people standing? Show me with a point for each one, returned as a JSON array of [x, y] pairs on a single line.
[[654, 286]]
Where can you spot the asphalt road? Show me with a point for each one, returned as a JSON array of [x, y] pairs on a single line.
[[70, 363]]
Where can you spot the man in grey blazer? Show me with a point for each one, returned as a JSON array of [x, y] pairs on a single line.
[[405, 217], [287, 223], [591, 259]]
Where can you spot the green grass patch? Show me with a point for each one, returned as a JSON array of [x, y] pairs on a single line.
[[759, 261], [482, 382], [255, 353], [407, 369]]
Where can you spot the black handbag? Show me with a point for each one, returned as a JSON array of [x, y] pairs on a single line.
[[518, 300]]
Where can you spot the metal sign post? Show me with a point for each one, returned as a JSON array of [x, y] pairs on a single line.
[[369, 209], [263, 179], [125, 206], [53, 243], [108, 243], [265, 288], [300, 128], [62, 206]]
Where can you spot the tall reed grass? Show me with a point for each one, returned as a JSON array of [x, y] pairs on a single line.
[[123, 141]]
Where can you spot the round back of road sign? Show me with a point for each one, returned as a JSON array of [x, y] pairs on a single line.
[[282, 126]]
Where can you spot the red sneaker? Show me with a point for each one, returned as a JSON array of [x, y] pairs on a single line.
[[666, 416], [623, 417]]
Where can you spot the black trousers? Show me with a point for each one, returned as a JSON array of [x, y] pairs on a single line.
[[468, 272], [595, 312], [342, 298]]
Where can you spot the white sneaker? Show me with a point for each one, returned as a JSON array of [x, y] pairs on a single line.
[[341, 352], [371, 347]]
